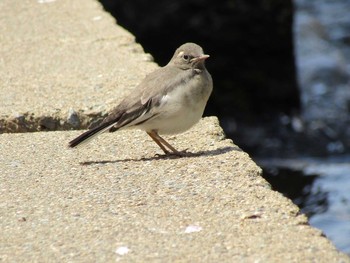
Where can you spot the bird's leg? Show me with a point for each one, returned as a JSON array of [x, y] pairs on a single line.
[[151, 134], [162, 143]]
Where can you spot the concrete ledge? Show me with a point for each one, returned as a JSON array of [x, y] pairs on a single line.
[[81, 205], [65, 63]]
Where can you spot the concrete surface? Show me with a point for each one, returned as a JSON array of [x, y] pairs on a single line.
[[83, 205], [62, 64]]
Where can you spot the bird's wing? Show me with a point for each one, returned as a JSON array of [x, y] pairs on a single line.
[[142, 104], [159, 83]]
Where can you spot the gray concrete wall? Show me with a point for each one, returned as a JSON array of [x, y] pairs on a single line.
[[64, 63]]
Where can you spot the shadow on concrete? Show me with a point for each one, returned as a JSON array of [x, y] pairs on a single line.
[[167, 157]]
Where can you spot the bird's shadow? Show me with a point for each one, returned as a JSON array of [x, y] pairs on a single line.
[[218, 151]]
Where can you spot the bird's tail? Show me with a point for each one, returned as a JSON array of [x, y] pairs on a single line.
[[90, 134]]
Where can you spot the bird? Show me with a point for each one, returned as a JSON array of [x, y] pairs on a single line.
[[170, 100]]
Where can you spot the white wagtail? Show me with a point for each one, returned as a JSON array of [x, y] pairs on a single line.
[[170, 100]]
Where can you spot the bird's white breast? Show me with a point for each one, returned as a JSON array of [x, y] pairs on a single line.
[[182, 107]]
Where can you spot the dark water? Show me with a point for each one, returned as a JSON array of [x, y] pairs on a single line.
[[321, 188]]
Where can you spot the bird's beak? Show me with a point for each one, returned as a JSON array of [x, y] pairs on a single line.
[[200, 58]]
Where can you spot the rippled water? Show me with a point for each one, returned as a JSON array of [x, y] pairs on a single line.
[[321, 188]]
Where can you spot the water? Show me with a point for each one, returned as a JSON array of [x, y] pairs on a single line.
[[321, 188]]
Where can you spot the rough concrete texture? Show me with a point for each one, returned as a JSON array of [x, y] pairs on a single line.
[[61, 63], [95, 203], [114, 200]]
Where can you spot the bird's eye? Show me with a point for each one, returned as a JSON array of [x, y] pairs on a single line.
[[187, 57]]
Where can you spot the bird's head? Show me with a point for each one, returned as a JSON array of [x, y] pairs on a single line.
[[189, 56]]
